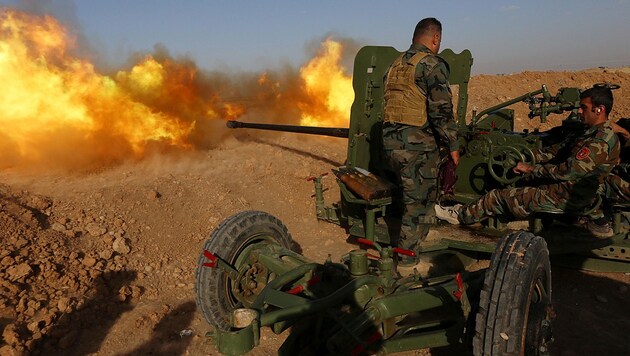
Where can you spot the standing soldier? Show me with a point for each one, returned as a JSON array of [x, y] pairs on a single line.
[[418, 121], [574, 180]]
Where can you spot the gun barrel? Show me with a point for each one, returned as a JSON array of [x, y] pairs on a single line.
[[310, 130]]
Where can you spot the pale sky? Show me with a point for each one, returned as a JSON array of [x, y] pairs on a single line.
[[503, 36]]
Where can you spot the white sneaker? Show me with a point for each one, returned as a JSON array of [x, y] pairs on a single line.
[[448, 213]]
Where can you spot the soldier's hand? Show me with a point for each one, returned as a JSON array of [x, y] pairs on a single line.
[[523, 168], [455, 157]]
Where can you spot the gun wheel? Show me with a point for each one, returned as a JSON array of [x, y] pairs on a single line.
[[501, 161], [515, 311], [217, 295]]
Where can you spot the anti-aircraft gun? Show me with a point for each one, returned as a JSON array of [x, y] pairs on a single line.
[[490, 149], [248, 276]]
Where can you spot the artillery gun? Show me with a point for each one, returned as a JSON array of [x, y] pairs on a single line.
[[248, 276]]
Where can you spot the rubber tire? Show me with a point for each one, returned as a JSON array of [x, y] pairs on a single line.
[[212, 286], [519, 267]]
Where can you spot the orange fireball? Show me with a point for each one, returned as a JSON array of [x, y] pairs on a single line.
[[329, 86], [58, 111]]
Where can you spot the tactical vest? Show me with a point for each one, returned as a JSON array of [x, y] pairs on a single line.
[[404, 102]]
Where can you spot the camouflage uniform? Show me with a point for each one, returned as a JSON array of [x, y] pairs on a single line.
[[413, 151], [616, 187], [615, 190], [574, 181]]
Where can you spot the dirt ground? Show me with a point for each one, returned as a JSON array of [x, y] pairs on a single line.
[[103, 262]]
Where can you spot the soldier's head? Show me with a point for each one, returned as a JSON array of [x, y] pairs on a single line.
[[595, 105], [429, 33]]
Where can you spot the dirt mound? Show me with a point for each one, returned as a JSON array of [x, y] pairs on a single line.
[[48, 288]]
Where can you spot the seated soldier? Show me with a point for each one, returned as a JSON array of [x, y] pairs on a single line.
[[616, 186], [573, 181]]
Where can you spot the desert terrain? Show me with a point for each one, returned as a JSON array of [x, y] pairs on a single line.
[[102, 261]]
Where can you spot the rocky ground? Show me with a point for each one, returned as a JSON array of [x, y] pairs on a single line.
[[103, 262]]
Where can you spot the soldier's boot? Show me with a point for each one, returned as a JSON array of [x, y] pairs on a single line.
[[448, 213], [600, 228], [407, 264]]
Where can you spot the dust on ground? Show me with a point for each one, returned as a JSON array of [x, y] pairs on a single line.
[[103, 262]]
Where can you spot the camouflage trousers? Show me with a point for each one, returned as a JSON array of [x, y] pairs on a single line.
[[412, 153], [521, 202]]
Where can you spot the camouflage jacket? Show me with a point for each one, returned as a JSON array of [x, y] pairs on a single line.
[[432, 74], [591, 158]]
